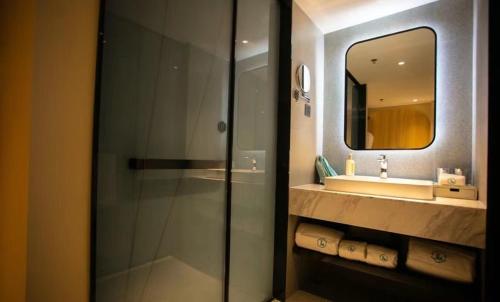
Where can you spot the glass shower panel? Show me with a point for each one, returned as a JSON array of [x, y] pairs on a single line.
[[160, 228], [254, 151]]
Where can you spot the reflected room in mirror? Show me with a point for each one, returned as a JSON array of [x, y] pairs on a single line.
[[390, 91]]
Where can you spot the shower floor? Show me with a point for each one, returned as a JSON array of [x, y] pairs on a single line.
[[165, 280]]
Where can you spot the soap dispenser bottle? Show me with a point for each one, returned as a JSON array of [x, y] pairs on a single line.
[[350, 166]]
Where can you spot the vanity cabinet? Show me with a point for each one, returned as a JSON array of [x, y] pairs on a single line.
[[389, 222], [457, 221]]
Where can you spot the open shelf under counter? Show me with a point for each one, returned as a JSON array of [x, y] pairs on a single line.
[[332, 274], [457, 221]]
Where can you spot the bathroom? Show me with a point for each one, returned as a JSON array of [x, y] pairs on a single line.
[[249, 151], [397, 94]]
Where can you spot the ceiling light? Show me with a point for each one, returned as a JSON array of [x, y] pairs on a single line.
[[415, 100], [244, 41], [401, 63]]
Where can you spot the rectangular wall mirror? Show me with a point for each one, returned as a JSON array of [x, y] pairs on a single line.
[[390, 89]]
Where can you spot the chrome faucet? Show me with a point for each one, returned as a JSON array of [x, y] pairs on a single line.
[[253, 161], [254, 164], [382, 159]]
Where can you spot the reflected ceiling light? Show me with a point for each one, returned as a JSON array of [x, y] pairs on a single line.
[[244, 41], [415, 100], [401, 63]]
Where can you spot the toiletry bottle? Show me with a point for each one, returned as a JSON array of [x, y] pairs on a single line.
[[350, 166]]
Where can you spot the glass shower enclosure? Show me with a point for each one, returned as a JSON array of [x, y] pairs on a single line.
[[185, 161]]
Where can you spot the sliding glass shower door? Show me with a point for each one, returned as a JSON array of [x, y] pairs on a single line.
[[185, 93]]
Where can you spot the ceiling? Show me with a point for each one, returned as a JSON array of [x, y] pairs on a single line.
[[332, 15], [396, 84]]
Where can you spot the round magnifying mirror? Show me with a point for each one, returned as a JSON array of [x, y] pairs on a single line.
[[304, 78]]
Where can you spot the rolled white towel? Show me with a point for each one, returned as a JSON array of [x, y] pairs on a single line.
[[353, 250], [318, 238], [381, 256], [441, 260]]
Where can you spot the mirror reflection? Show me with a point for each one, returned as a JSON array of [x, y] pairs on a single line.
[[390, 91], [304, 78]]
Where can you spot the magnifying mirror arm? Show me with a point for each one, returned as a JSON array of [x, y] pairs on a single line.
[[301, 94]]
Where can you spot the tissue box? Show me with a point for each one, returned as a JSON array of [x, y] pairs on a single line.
[[460, 192]]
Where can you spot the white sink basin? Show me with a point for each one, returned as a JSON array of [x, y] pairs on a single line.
[[394, 187]]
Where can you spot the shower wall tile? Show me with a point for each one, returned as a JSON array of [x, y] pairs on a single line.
[[114, 239], [166, 71], [252, 241], [166, 132], [157, 197], [161, 97], [149, 14], [197, 223], [206, 26], [206, 105], [253, 108], [130, 56]]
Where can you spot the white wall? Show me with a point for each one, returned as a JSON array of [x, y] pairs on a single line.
[[307, 41], [480, 99], [305, 132]]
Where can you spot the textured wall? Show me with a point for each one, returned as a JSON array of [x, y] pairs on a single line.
[[452, 21]]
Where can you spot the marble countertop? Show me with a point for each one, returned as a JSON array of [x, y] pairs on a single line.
[[458, 221]]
